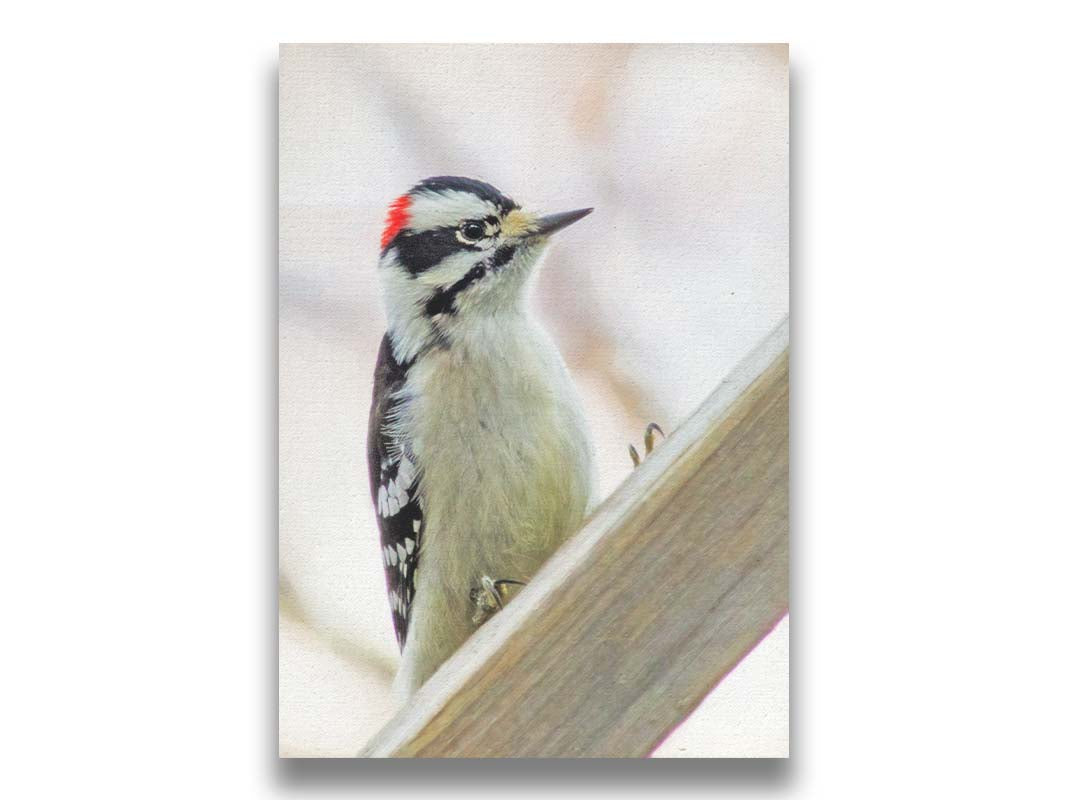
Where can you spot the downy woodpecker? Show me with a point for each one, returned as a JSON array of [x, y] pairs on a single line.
[[479, 454]]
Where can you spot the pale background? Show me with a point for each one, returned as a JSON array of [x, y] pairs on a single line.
[[683, 267]]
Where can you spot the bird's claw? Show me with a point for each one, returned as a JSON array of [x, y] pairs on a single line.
[[650, 441], [489, 597]]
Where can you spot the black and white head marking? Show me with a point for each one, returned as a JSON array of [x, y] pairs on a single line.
[[447, 217], [448, 245], [443, 300]]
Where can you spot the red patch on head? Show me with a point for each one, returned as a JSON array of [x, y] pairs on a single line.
[[396, 219]]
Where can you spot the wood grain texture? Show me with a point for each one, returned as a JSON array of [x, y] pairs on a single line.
[[625, 630]]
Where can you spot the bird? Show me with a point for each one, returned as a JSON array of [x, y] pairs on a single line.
[[479, 452]]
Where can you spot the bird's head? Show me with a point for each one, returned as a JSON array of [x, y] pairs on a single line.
[[455, 252]]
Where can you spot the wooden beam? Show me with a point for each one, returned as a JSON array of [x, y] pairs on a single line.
[[627, 628]]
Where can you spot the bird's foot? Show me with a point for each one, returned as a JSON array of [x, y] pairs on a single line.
[[490, 596], [649, 443]]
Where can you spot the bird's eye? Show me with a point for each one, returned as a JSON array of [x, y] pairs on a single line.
[[472, 231]]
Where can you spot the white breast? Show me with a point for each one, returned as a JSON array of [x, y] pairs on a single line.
[[506, 471]]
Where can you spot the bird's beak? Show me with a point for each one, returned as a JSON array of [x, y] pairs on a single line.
[[543, 226]]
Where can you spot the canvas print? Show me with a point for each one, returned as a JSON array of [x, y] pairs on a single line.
[[533, 400]]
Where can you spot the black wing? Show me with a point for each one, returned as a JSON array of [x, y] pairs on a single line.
[[393, 487]]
